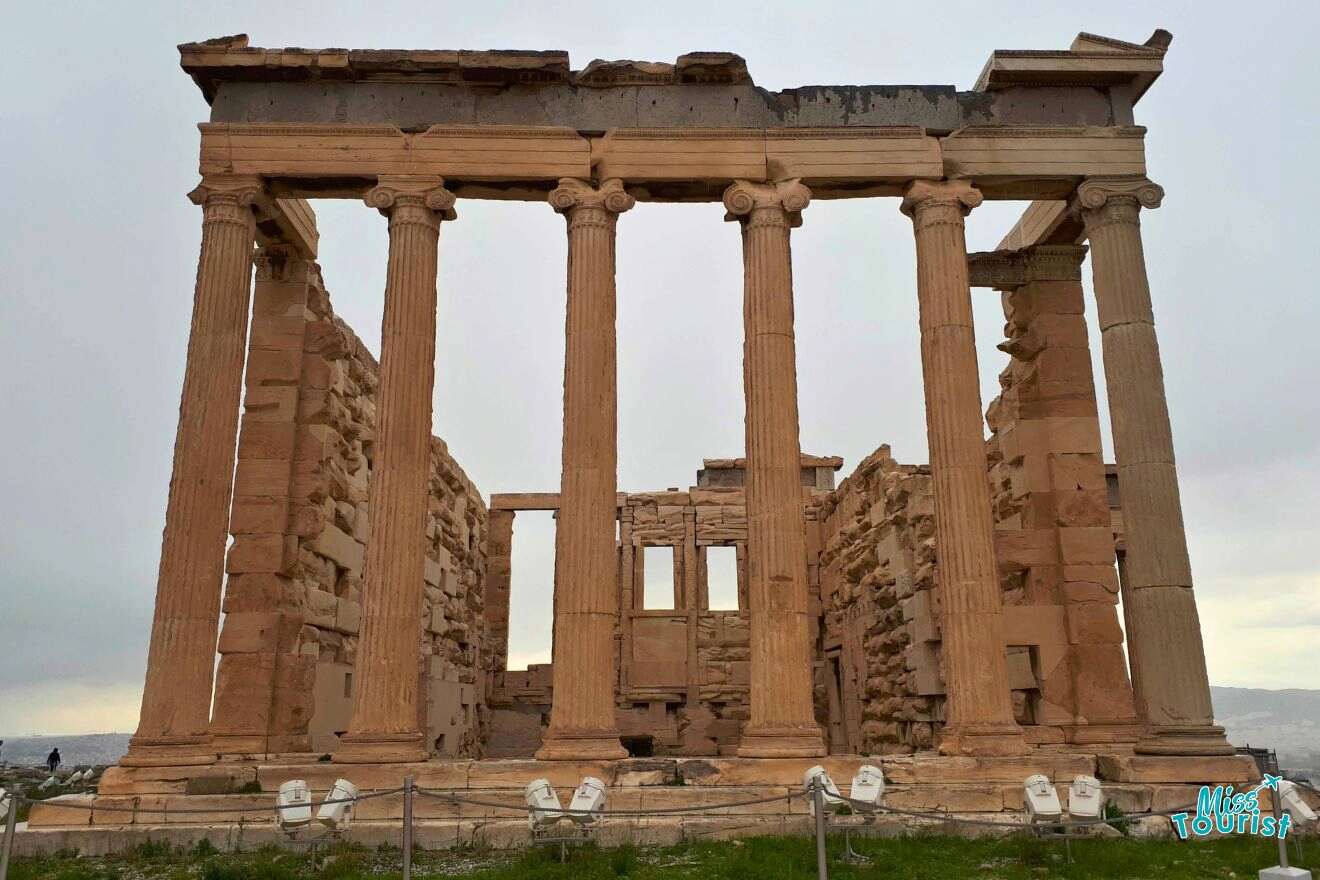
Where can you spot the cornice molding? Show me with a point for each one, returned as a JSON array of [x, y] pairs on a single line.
[[1010, 269]]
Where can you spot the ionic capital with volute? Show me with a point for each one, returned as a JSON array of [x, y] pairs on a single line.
[[580, 201], [769, 204], [940, 201], [1104, 200], [227, 197], [412, 198]]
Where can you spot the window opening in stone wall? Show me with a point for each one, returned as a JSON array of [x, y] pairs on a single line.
[[658, 579], [722, 578], [531, 588]]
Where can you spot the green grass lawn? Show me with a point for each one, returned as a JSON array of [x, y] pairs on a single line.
[[920, 857]]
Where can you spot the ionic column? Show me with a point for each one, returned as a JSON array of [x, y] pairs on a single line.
[[782, 722], [1164, 633], [384, 725], [978, 708], [582, 725], [176, 700]]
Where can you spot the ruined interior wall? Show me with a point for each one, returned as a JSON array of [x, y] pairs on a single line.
[[881, 606], [683, 669], [1055, 550], [305, 460]]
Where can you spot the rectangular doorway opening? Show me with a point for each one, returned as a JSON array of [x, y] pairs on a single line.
[[531, 588], [722, 578]]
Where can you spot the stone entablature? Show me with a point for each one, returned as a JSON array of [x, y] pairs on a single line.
[[1093, 83]]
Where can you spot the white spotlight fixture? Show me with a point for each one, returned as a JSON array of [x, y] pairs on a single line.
[[1290, 798], [337, 809], [868, 788], [816, 777], [588, 801], [50, 780], [543, 808], [1041, 799], [294, 805], [5, 800], [1085, 798]]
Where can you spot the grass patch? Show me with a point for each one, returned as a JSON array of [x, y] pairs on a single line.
[[917, 857]]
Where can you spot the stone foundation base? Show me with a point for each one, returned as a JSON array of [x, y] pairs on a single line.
[[923, 783]]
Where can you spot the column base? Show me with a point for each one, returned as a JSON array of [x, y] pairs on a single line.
[[1103, 733], [1190, 739], [983, 740], [581, 745], [380, 748], [782, 742], [169, 751]]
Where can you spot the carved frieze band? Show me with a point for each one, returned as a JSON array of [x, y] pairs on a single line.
[[1008, 269], [779, 203]]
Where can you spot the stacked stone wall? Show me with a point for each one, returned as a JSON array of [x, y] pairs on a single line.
[[300, 524], [1055, 540], [881, 604]]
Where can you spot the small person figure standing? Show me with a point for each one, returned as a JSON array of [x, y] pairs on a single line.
[[53, 761]]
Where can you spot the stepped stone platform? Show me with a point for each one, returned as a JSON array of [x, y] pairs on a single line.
[[158, 799]]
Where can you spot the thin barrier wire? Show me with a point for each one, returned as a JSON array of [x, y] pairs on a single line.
[[97, 808], [449, 796], [863, 808]]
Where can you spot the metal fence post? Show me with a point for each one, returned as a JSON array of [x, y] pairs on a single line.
[[408, 789], [818, 801], [1278, 814], [11, 821]]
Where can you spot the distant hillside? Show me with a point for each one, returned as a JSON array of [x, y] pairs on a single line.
[[89, 748], [1287, 721]]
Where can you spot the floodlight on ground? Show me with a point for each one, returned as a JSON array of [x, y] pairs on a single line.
[[337, 810], [1041, 799], [1294, 804], [75, 776], [543, 809], [5, 800], [816, 777], [588, 801], [50, 781], [294, 805], [1085, 798], [868, 788]]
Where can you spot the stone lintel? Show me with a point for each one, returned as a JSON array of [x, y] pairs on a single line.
[[289, 221], [535, 501]]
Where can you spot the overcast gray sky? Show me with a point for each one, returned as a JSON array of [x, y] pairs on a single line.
[[98, 249]]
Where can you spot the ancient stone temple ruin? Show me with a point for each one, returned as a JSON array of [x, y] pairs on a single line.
[[956, 620]]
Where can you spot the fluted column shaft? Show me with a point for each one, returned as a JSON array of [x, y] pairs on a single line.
[[782, 721], [1164, 632], [978, 709], [176, 699], [384, 725], [582, 725]]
